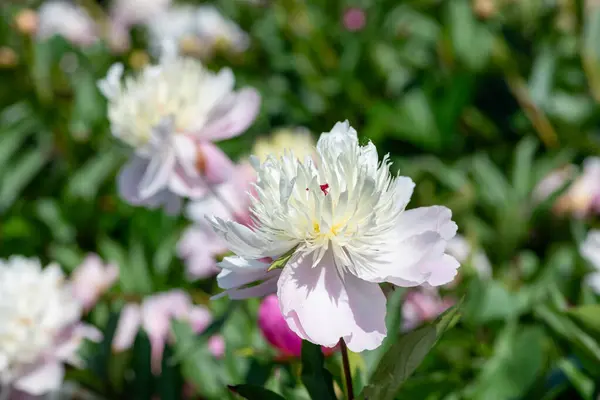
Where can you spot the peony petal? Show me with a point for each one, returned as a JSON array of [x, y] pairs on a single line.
[[404, 189], [127, 328], [440, 270], [427, 219], [233, 116], [43, 379], [158, 173], [242, 240], [129, 179], [321, 307], [238, 271], [217, 166], [110, 86]]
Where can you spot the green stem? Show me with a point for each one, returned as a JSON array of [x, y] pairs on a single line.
[[347, 371]]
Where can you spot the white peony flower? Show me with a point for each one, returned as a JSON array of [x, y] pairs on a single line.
[[67, 20], [197, 30], [133, 12], [298, 140], [39, 325], [170, 114], [590, 250], [339, 230]]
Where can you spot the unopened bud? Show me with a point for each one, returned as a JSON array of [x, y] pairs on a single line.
[[138, 59], [26, 21], [8, 57], [484, 8]]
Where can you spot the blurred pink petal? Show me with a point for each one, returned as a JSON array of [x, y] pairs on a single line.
[[198, 247], [200, 318], [127, 328], [67, 349], [422, 305], [233, 115], [354, 19], [217, 166], [216, 345], [42, 379], [91, 279]]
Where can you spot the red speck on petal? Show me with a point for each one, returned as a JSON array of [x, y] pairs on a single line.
[[325, 188]]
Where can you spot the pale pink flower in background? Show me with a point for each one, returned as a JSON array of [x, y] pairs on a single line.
[[354, 19], [171, 114], [423, 305], [154, 315], [590, 250], [199, 30], [553, 182], [581, 198], [199, 244], [92, 279], [460, 248], [134, 12], [67, 20], [276, 331], [216, 346], [341, 229], [40, 325]]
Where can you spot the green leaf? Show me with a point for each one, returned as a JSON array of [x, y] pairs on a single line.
[[489, 301], [50, 213], [471, 40], [588, 316], [139, 267], [88, 179], [405, 355], [582, 383], [522, 168], [516, 363], [563, 326], [281, 261], [492, 185], [253, 392], [318, 380], [22, 173], [198, 365]]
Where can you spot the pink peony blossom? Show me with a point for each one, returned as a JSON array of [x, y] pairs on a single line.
[[154, 315], [91, 279], [422, 305], [170, 114]]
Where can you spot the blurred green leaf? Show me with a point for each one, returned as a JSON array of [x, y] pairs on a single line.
[[489, 301], [50, 213], [405, 355], [588, 316], [198, 365], [86, 182], [315, 377], [22, 172], [516, 363], [522, 181], [581, 382], [252, 392]]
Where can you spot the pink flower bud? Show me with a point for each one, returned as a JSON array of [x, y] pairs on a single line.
[[354, 19], [216, 345], [276, 331]]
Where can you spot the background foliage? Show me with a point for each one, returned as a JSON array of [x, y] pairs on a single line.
[[476, 101]]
